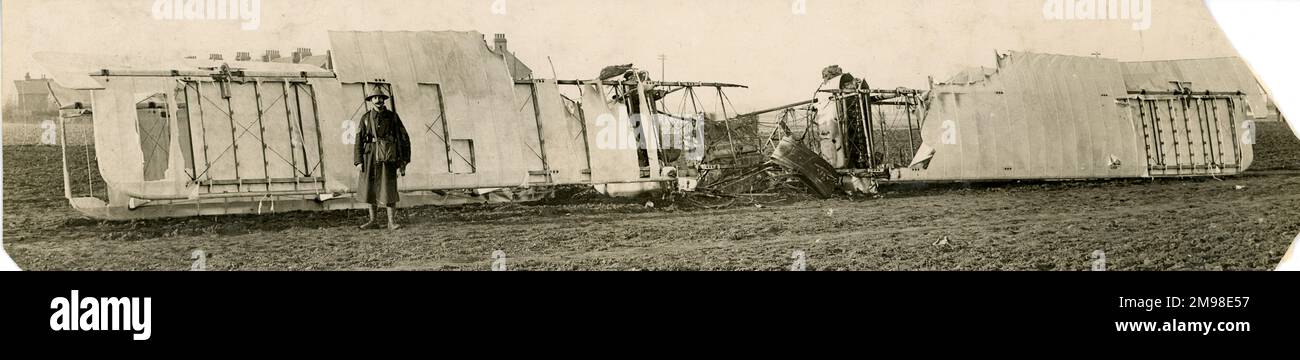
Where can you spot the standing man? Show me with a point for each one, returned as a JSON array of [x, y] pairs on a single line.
[[382, 151]]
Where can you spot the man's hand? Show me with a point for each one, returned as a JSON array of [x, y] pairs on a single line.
[[358, 167], [401, 171]]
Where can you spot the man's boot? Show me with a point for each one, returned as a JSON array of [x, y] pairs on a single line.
[[392, 225], [370, 224]]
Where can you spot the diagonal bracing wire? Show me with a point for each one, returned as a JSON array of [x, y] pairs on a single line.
[[249, 132], [429, 128]]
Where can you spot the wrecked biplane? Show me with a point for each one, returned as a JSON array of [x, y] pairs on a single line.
[[1035, 117], [200, 137]]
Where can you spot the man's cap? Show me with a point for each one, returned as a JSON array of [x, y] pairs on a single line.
[[376, 91]]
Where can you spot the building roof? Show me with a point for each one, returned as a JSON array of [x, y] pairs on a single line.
[[32, 87], [47, 87]]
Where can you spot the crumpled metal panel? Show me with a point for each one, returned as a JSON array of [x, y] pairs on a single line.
[[815, 171]]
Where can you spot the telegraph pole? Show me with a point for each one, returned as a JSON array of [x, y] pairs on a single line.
[[663, 75]]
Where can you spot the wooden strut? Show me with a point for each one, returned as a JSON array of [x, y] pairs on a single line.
[[1186, 93], [841, 114], [650, 129], [891, 103], [635, 83], [90, 176], [1187, 136], [63, 149], [884, 128], [1173, 134], [189, 125], [234, 140], [582, 124], [1183, 106], [1155, 124], [288, 121], [320, 150], [1206, 124], [203, 130], [261, 130], [302, 129], [1196, 104], [911, 141], [541, 140], [234, 72], [63, 146], [872, 91], [1232, 124], [1146, 135], [1185, 132], [1218, 134], [446, 135], [778, 108], [726, 122], [263, 194], [1207, 149]]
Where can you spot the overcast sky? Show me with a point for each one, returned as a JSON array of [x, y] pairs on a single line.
[[761, 43]]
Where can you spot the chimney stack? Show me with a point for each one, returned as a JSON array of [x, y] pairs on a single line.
[[243, 56], [270, 55], [501, 44], [300, 55]]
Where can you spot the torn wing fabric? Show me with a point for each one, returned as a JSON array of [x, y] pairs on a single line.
[[829, 134], [923, 155]]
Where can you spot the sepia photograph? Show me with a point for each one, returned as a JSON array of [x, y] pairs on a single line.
[[638, 135]]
